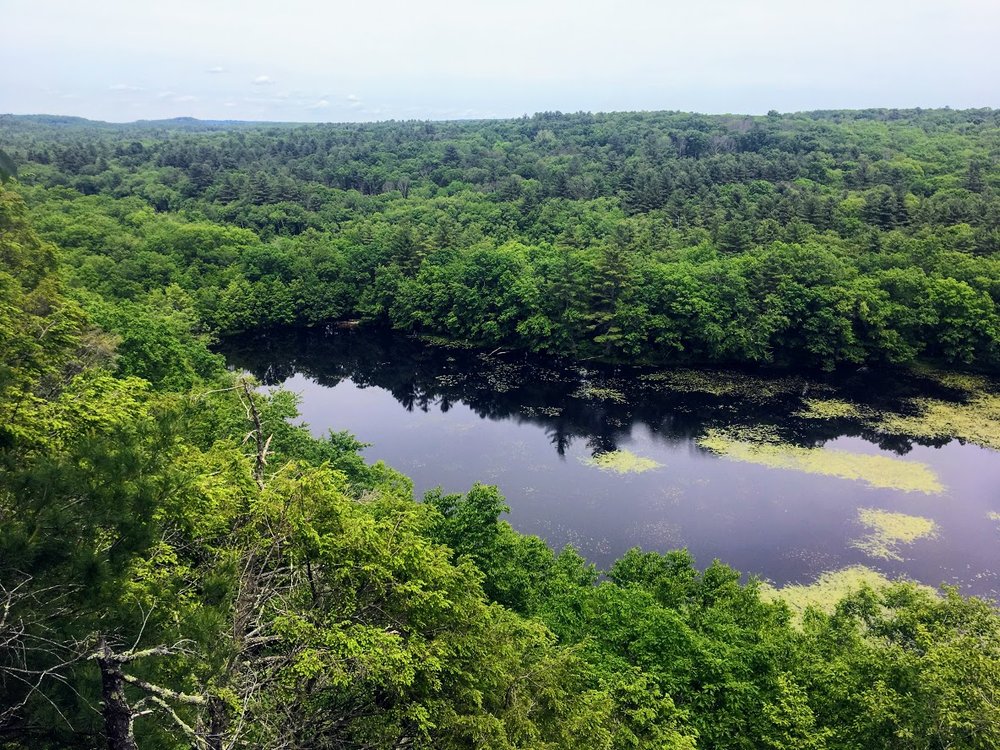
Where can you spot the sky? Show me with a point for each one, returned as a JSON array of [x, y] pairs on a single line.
[[334, 61]]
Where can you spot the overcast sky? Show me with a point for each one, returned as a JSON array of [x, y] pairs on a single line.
[[297, 60]]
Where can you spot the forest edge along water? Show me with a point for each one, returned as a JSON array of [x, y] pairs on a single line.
[[795, 477], [185, 564]]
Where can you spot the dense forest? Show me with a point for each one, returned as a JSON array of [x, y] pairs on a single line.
[[810, 240], [183, 566]]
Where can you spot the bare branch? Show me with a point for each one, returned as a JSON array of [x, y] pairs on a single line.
[[257, 433], [166, 693], [197, 741]]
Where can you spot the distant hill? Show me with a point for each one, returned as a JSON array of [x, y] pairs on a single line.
[[66, 122], [193, 124]]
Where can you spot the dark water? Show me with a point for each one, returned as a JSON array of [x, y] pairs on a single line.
[[452, 417]]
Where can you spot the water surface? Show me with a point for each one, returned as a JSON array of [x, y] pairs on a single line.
[[452, 417]]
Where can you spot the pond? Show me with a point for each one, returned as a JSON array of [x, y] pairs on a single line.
[[785, 476]]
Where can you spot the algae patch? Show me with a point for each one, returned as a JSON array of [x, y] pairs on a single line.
[[827, 590], [971, 414], [730, 384], [959, 381], [622, 462], [976, 420], [763, 448], [829, 408], [593, 392], [890, 530]]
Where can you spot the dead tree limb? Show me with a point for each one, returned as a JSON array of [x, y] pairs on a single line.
[[120, 716], [263, 444]]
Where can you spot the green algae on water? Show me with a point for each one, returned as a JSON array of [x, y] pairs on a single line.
[[597, 393], [828, 589], [890, 530], [730, 384], [973, 416], [829, 408], [968, 383], [622, 462], [443, 342], [765, 449], [976, 420]]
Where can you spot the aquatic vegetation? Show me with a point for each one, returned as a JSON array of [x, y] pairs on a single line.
[[597, 393], [976, 420], [443, 342], [890, 530], [761, 446], [622, 462], [722, 383], [959, 381], [972, 417], [829, 408], [828, 589], [501, 377], [549, 411], [660, 533], [545, 411]]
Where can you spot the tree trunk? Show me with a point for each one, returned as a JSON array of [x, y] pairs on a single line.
[[117, 712], [218, 722]]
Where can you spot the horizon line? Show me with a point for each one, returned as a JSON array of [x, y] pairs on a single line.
[[191, 118]]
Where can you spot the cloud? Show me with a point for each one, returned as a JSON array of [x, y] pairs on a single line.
[[215, 69], [263, 81], [353, 101], [165, 94], [321, 104], [185, 98], [124, 87]]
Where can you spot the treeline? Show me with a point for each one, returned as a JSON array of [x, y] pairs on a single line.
[[182, 567], [813, 239]]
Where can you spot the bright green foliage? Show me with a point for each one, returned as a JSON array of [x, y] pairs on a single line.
[[276, 589], [815, 239], [40, 330], [157, 340], [901, 664], [521, 572]]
